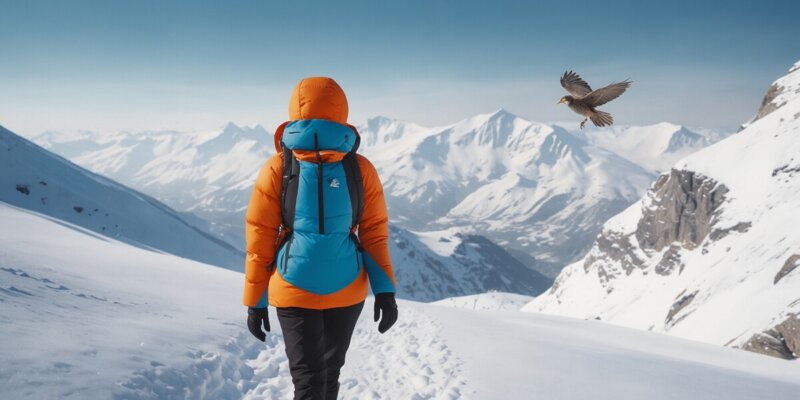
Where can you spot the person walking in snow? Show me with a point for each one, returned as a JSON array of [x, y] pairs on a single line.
[[317, 232]]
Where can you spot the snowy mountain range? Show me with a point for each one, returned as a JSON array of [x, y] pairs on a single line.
[[712, 251], [89, 317], [35, 179], [430, 266], [655, 147], [207, 174], [538, 190]]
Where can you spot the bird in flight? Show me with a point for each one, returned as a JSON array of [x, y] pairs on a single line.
[[583, 99]]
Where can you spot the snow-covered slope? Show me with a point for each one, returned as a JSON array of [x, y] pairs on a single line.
[[435, 265], [656, 147], [712, 251], [88, 317], [489, 301], [209, 174], [33, 178]]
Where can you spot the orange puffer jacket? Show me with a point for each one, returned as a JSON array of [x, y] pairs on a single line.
[[313, 99]]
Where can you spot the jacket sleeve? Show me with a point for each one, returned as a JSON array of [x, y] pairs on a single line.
[[261, 232], [373, 231]]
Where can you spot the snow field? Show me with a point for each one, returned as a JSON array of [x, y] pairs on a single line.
[[86, 317]]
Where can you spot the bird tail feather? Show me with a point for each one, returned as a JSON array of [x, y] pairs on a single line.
[[601, 119]]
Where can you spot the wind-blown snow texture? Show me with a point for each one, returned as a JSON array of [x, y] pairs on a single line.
[[87, 317], [536, 189], [710, 252], [33, 178]]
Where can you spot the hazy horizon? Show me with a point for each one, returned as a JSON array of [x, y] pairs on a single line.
[[566, 124], [189, 66]]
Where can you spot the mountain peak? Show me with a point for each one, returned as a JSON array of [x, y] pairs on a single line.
[[379, 122], [231, 126], [666, 125], [236, 132], [502, 113], [379, 119], [500, 116]]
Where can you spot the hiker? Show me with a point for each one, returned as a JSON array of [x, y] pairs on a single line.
[[317, 230]]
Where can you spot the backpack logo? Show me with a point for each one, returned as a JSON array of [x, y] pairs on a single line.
[[334, 183]]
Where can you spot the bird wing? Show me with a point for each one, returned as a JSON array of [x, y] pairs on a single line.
[[604, 95], [574, 84]]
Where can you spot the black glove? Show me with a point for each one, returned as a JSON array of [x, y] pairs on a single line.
[[255, 316], [384, 302]]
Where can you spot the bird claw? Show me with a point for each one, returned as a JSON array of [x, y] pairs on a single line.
[[583, 123]]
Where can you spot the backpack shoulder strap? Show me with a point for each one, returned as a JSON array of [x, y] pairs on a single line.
[[289, 184], [355, 185]]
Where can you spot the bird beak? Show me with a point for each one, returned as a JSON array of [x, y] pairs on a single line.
[[560, 101]]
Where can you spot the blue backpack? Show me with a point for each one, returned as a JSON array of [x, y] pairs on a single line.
[[321, 206]]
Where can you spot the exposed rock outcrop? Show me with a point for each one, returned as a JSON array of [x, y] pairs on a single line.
[[791, 263], [670, 261], [768, 103], [680, 207], [782, 341], [681, 303], [617, 247], [719, 233]]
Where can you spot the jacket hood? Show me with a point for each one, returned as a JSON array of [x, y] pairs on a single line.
[[318, 104], [318, 134], [318, 98]]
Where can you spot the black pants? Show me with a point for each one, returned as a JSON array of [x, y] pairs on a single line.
[[316, 344]]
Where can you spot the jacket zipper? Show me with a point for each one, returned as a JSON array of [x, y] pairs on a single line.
[[320, 188]]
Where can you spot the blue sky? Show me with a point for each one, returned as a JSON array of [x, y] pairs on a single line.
[[111, 65]]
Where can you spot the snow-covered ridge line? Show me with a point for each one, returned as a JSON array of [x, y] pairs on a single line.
[[33, 178], [711, 252]]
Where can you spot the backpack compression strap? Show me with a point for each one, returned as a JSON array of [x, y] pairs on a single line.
[[355, 185], [289, 186]]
